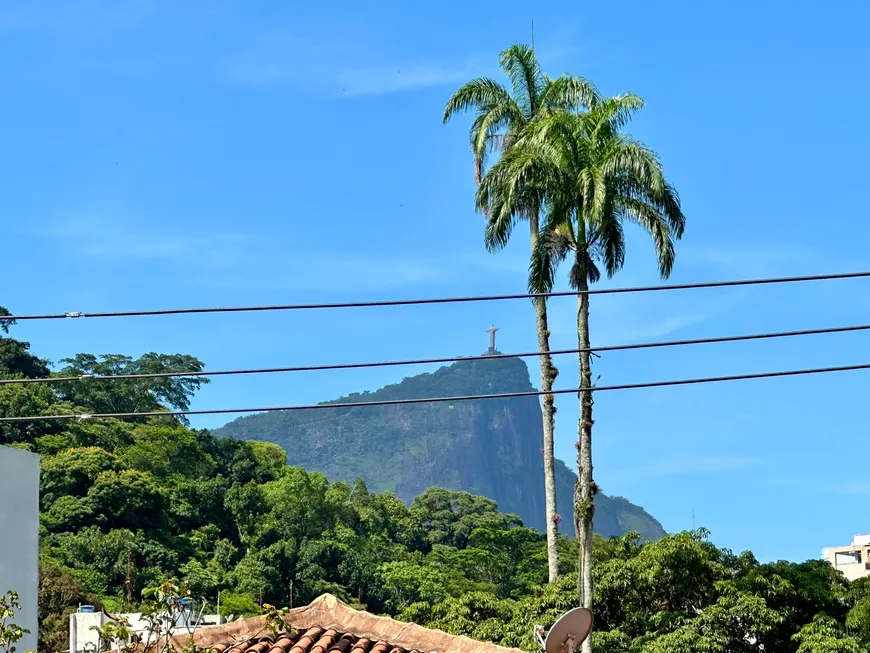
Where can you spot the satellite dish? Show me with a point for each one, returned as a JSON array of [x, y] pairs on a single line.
[[569, 631]]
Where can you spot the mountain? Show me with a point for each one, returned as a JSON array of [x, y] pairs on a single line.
[[489, 447]]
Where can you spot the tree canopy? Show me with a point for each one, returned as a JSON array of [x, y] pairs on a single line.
[[228, 515]]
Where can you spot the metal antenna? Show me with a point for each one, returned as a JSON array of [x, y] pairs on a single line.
[[539, 632], [533, 33], [129, 582]]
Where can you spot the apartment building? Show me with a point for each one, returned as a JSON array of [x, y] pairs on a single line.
[[852, 560]]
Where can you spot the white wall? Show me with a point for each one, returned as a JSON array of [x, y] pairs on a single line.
[[19, 542], [82, 639]]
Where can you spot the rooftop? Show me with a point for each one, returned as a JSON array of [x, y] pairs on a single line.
[[327, 625]]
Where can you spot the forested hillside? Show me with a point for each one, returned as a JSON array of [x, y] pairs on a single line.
[[490, 447], [223, 514]]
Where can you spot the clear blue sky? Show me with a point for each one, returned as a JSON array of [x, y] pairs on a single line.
[[166, 154]]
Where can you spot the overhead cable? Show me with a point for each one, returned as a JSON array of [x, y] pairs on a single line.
[[428, 400], [436, 300], [430, 361]]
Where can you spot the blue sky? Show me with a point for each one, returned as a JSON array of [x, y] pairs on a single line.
[[165, 154]]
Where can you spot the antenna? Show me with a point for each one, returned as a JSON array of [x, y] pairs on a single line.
[[129, 582], [533, 33], [569, 631]]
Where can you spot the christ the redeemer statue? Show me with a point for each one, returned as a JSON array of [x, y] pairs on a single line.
[[491, 331]]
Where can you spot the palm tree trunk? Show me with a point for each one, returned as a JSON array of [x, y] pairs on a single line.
[[584, 494], [548, 411]]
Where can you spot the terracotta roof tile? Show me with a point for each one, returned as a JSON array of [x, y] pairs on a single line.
[[283, 644], [329, 626], [362, 645]]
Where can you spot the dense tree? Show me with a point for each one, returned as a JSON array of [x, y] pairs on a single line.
[[16, 360], [73, 472], [152, 500], [501, 115], [131, 395], [59, 592], [591, 179], [5, 323], [23, 401]]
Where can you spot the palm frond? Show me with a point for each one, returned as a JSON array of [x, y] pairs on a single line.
[[583, 265], [593, 177], [601, 124], [652, 221], [639, 175], [544, 265], [672, 210], [488, 129], [508, 192], [611, 244], [569, 93], [474, 94], [521, 66]]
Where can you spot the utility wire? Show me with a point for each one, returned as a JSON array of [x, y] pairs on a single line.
[[429, 361], [438, 300], [404, 402]]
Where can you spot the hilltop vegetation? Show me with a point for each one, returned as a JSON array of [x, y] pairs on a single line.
[[490, 447]]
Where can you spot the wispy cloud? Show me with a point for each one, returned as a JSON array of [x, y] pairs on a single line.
[[799, 484], [345, 62], [748, 259], [379, 273], [621, 320], [498, 263], [97, 17], [692, 465], [640, 330], [348, 80], [239, 261], [95, 236], [326, 274], [385, 80], [855, 487]]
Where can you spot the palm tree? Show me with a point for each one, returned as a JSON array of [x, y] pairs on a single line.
[[500, 116], [591, 179]]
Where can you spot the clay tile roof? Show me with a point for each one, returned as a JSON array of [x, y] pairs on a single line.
[[327, 625]]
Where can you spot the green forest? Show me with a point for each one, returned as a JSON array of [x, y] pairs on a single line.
[[487, 447], [223, 514]]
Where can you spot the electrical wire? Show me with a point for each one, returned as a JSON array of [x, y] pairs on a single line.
[[430, 361], [404, 402], [436, 300]]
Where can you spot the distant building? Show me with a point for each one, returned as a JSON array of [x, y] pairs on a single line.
[[84, 639], [853, 560], [19, 536]]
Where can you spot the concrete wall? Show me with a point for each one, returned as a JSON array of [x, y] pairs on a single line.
[[852, 561], [82, 639], [19, 544]]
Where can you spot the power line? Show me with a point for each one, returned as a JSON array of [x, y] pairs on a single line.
[[430, 361], [437, 300], [403, 402]]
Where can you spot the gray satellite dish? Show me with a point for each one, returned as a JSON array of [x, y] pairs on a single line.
[[569, 631]]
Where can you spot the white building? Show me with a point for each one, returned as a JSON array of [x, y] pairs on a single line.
[[852, 560], [83, 638], [19, 536]]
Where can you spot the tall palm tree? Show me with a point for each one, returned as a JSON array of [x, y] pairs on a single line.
[[500, 116], [591, 179]]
